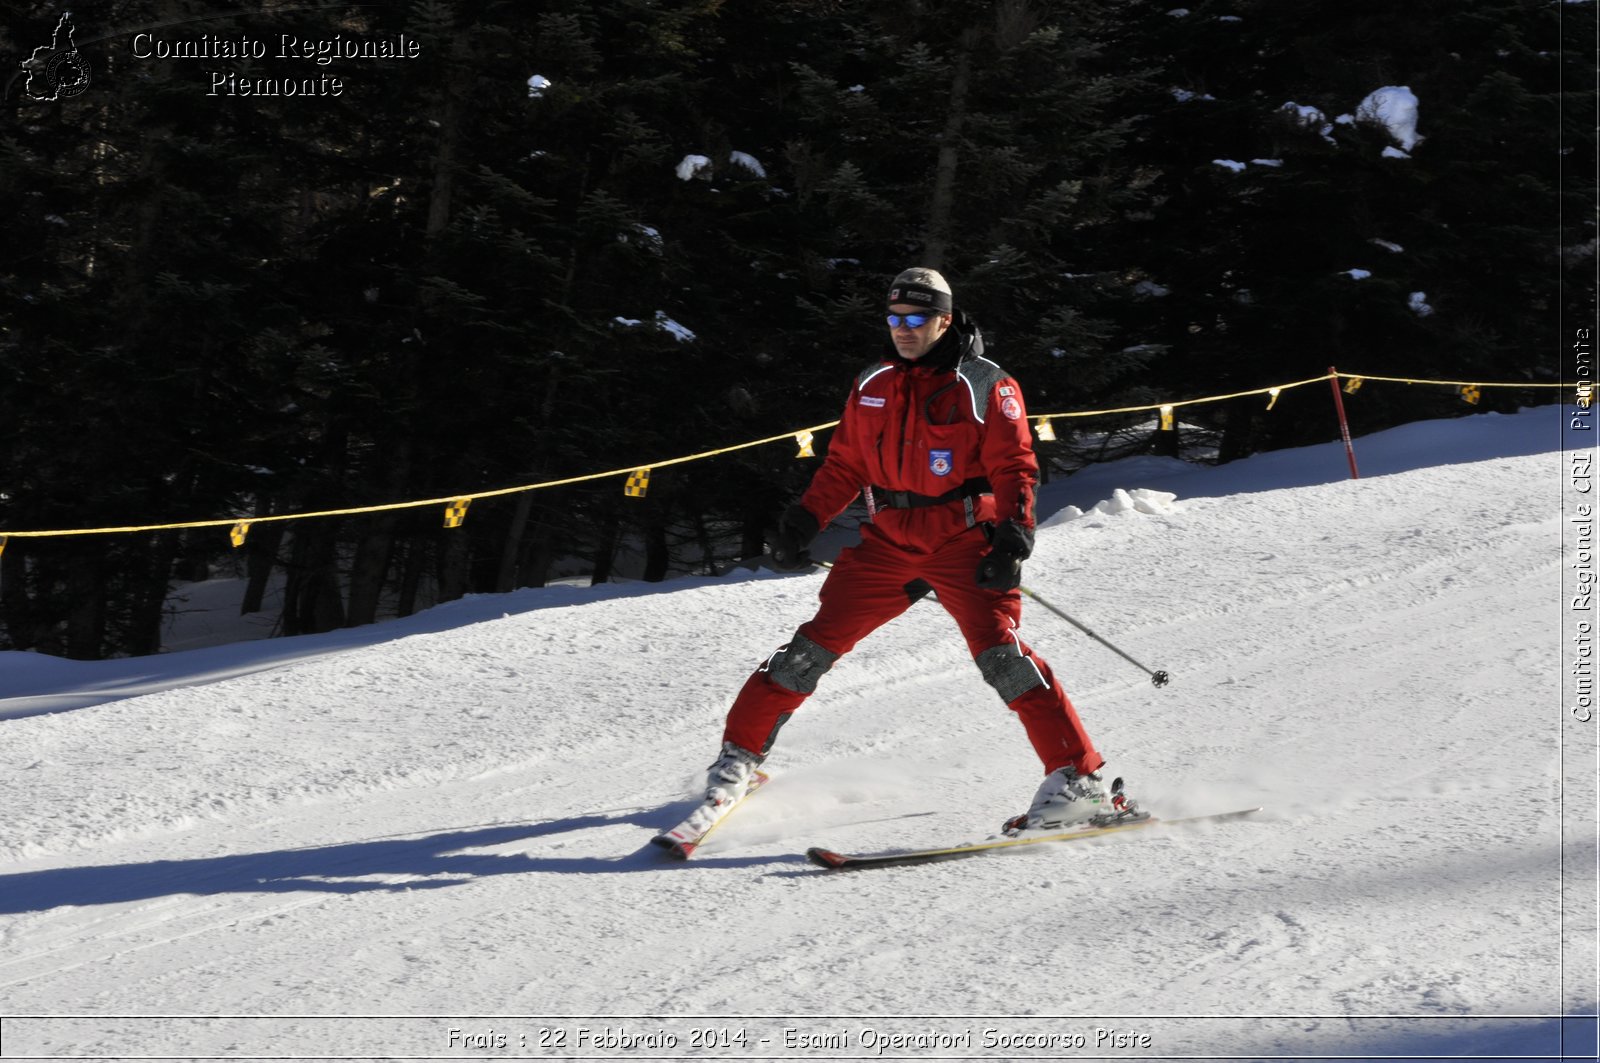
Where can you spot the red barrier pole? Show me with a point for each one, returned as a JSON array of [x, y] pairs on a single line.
[[1344, 425]]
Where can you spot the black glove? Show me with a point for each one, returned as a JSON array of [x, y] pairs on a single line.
[[1009, 545], [790, 542]]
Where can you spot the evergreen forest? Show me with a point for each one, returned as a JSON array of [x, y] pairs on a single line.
[[271, 259]]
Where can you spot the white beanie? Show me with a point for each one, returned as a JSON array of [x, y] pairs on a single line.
[[921, 286]]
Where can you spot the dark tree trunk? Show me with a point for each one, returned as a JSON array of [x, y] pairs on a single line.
[[1239, 428], [753, 543], [261, 554], [538, 554], [606, 550], [656, 554], [86, 595], [368, 570], [455, 564], [150, 596], [511, 548], [708, 548], [17, 610], [411, 570], [1165, 442], [312, 603], [942, 208]]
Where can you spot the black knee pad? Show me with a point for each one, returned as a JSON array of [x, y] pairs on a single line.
[[1012, 674], [799, 665]]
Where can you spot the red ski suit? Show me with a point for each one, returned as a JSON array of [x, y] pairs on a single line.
[[932, 430]]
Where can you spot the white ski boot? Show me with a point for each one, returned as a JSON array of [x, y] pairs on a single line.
[[1067, 799], [730, 777]]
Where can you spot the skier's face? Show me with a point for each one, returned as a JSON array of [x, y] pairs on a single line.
[[913, 343]]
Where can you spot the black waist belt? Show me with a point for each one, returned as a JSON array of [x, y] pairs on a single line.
[[883, 498]]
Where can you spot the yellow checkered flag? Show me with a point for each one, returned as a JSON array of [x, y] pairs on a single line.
[[1353, 385], [1471, 393], [638, 483], [237, 534], [805, 439], [456, 512]]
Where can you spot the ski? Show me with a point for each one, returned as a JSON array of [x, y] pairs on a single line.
[[681, 841], [836, 861]]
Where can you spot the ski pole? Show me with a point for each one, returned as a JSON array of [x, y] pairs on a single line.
[[1158, 677]]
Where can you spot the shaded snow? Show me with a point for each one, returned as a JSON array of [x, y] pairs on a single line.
[[690, 166], [1395, 108], [747, 162]]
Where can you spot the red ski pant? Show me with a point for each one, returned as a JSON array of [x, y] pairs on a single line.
[[872, 584]]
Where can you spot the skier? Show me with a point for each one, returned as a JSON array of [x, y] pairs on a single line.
[[935, 438]]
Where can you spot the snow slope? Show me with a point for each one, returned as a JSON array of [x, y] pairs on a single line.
[[444, 827]]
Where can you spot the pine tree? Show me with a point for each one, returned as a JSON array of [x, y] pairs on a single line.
[[152, 215], [984, 140], [1298, 230]]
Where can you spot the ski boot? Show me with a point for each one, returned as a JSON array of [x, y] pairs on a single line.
[[1067, 800], [730, 777]]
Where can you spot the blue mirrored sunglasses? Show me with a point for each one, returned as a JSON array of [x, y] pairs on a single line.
[[910, 320]]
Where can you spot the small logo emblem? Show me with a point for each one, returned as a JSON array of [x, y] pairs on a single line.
[[1011, 407], [939, 462], [872, 400], [57, 71]]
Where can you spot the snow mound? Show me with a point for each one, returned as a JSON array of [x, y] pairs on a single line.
[[690, 166], [1139, 500], [1395, 108]]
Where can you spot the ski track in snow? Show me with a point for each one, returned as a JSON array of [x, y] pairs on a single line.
[[457, 822]]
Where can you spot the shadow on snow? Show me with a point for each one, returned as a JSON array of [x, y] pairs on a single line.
[[435, 861]]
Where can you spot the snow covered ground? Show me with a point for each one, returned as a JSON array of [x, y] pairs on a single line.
[[429, 839]]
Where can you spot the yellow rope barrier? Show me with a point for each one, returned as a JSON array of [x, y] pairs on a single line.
[[1184, 402], [447, 500], [1446, 383], [457, 503], [1285, 387]]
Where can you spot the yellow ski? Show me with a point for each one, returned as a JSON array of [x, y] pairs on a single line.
[[681, 841], [836, 861]]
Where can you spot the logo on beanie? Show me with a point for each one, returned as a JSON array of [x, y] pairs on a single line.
[[914, 295], [921, 295], [939, 462]]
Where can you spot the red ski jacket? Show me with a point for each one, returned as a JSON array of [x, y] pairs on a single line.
[[931, 429]]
